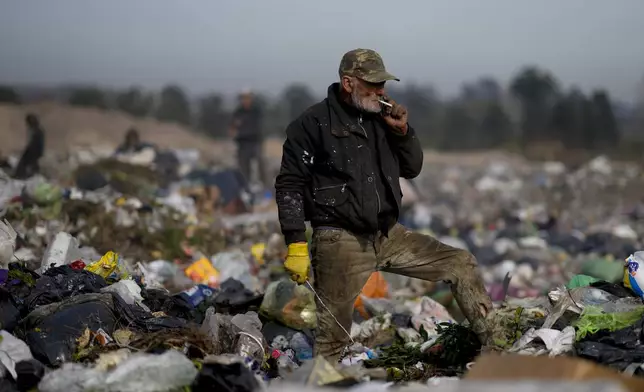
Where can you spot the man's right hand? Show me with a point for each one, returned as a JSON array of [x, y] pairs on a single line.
[[298, 262]]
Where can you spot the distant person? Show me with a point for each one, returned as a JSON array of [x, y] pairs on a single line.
[[132, 143], [246, 130], [28, 164]]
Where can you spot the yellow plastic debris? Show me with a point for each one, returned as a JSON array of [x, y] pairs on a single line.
[[202, 271], [108, 265], [257, 251]]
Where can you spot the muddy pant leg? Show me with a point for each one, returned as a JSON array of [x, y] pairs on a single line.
[[342, 264], [420, 256]]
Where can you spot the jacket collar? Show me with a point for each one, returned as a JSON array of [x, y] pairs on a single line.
[[347, 114]]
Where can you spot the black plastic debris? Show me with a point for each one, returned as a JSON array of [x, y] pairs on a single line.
[[234, 377], [235, 298], [51, 330], [29, 374], [60, 283], [613, 288], [20, 281], [135, 317], [616, 349], [172, 305], [9, 311]]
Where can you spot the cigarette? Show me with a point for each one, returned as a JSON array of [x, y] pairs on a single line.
[[385, 103]]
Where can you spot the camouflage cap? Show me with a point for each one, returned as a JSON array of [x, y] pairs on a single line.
[[365, 64]]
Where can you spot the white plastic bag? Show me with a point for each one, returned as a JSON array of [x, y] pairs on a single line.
[[7, 244], [12, 351]]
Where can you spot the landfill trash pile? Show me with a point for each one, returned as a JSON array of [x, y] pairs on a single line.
[[143, 284]]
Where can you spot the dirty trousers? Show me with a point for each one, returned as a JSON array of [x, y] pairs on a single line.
[[247, 153], [342, 263]]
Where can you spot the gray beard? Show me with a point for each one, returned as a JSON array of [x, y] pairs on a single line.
[[360, 105]]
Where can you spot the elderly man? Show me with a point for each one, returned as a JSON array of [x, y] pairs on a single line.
[[340, 170]]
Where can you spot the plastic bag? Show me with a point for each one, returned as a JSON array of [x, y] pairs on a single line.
[[43, 193], [9, 311], [60, 283], [233, 297], [135, 317], [380, 306], [7, 243], [234, 377], [615, 357], [128, 290], [30, 372], [291, 304], [150, 373], [12, 351], [575, 300], [610, 271], [172, 305], [52, 329], [302, 346], [234, 265], [581, 281], [613, 288], [19, 281], [109, 266], [138, 373], [376, 287], [429, 314], [593, 319], [220, 330], [201, 271]]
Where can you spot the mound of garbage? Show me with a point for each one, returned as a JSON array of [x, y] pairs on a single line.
[[180, 286]]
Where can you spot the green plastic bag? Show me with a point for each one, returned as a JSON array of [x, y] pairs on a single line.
[[581, 281], [602, 269]]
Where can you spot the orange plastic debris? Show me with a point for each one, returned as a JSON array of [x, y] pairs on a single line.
[[202, 271], [376, 287]]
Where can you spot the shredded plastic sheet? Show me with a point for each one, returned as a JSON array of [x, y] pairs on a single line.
[[593, 319]]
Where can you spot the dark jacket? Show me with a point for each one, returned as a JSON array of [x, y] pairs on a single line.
[[249, 128], [28, 164], [327, 169]]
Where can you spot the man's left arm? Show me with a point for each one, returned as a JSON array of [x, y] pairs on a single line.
[[410, 153], [404, 140]]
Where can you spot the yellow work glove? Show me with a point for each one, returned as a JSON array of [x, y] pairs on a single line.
[[298, 262]]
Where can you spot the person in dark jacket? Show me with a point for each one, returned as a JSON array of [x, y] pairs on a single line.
[[29, 161], [341, 165], [246, 129], [132, 143]]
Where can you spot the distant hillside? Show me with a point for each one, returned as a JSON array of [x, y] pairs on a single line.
[[69, 127]]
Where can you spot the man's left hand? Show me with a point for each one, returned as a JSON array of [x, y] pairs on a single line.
[[396, 118]]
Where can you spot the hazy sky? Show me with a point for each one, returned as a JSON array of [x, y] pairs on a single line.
[[263, 44]]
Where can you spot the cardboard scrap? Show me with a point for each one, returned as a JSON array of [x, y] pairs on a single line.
[[494, 367]]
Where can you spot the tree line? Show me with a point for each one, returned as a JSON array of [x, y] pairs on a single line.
[[533, 108]]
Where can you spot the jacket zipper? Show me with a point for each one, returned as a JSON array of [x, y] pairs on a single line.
[[370, 152]]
